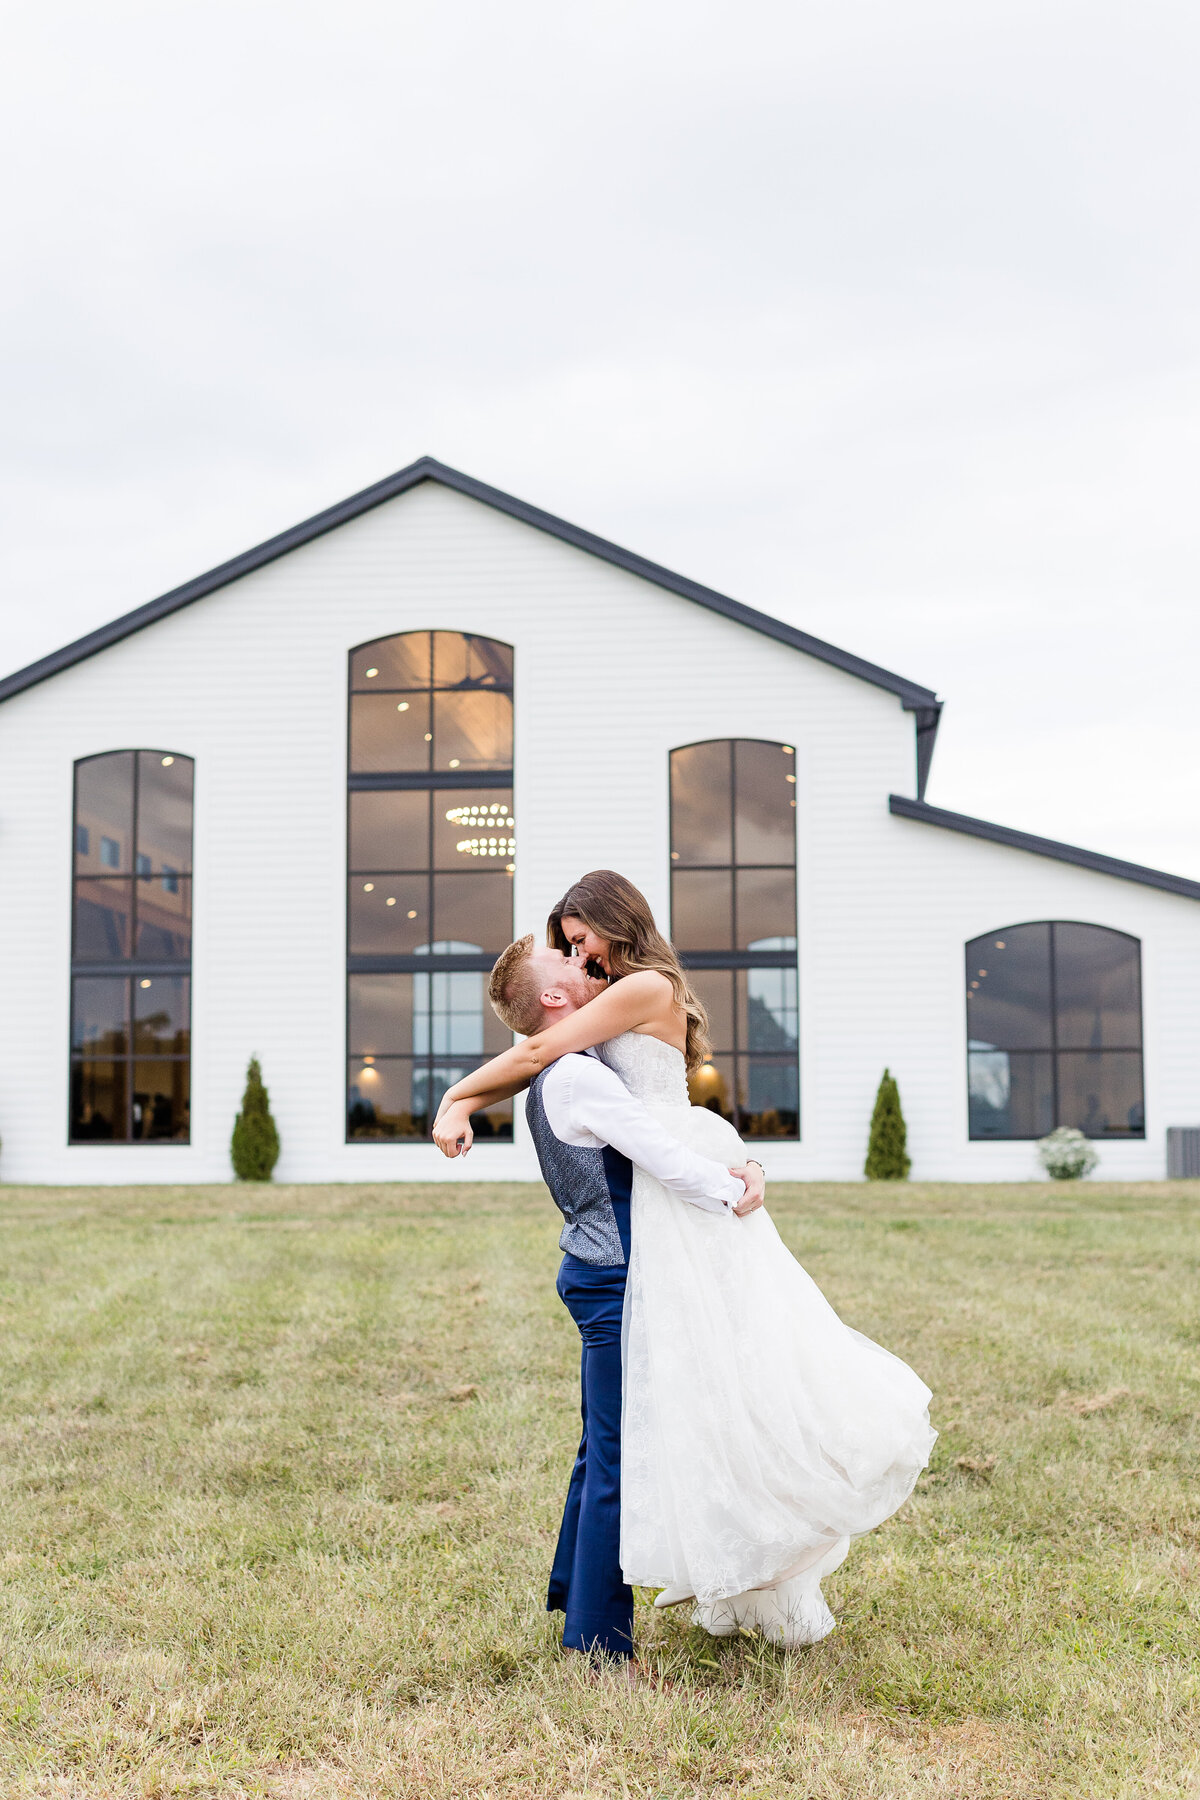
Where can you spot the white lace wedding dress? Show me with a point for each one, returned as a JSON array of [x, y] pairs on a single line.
[[759, 1433]]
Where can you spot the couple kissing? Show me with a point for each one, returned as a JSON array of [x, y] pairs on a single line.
[[736, 1434]]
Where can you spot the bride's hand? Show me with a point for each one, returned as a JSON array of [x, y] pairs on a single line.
[[452, 1129], [755, 1183]]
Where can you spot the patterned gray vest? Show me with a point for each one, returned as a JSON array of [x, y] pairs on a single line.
[[589, 1187]]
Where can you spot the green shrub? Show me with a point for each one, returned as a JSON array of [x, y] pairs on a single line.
[[887, 1156], [255, 1143]]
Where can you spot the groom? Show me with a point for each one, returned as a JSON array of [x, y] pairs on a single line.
[[589, 1130]]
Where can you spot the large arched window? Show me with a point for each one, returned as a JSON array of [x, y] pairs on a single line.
[[131, 948], [733, 920], [430, 848], [1054, 1031]]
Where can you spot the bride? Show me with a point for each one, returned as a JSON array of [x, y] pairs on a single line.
[[759, 1432]]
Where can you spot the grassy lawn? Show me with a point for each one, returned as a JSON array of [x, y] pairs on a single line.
[[281, 1474]]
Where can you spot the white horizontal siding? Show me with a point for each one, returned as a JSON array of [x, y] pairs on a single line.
[[611, 673]]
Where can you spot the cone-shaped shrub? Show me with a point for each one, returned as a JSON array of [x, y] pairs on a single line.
[[255, 1144], [887, 1157]]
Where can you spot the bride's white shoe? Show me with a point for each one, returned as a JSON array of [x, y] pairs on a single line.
[[791, 1614], [674, 1596], [720, 1618]]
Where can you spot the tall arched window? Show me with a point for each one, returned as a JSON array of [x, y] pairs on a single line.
[[733, 920], [1054, 1031], [430, 858], [131, 948]]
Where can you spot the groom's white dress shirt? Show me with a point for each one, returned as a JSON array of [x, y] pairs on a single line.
[[587, 1103]]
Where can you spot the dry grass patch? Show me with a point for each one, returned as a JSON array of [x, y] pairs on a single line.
[[281, 1474]]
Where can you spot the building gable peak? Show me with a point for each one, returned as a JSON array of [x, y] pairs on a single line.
[[921, 701]]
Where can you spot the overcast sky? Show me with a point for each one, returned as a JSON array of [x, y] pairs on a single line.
[[880, 315]]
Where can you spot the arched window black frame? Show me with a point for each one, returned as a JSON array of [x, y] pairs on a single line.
[[1054, 1031], [733, 921], [430, 855], [131, 948]]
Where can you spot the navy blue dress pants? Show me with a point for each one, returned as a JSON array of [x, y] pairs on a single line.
[[585, 1582]]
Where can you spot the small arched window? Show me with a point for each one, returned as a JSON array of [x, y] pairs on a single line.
[[733, 921], [431, 857], [131, 948], [1054, 1031]]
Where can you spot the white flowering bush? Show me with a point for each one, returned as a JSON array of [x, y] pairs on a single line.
[[1066, 1154]]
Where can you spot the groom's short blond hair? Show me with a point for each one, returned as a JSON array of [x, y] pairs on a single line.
[[515, 988]]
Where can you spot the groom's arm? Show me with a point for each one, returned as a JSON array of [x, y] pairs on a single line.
[[586, 1102]]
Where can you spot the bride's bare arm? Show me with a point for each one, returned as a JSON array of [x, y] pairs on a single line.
[[492, 1096], [638, 999]]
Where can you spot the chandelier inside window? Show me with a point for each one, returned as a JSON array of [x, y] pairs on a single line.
[[488, 830]]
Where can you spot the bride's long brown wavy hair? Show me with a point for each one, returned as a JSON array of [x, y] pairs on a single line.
[[614, 909]]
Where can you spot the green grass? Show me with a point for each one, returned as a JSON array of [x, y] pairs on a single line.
[[281, 1472]]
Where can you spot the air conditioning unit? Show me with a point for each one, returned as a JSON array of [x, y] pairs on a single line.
[[1183, 1152]]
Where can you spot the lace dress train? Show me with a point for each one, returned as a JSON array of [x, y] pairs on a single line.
[[759, 1432]]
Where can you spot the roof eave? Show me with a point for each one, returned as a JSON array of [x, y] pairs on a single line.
[[1094, 860]]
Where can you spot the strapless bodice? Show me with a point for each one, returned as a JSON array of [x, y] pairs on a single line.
[[653, 1071]]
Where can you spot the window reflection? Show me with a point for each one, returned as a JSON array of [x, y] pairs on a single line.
[[130, 1031], [164, 813], [1010, 1093], [1100, 1092], [394, 1099], [103, 920], [766, 906], [733, 893], [765, 792], [389, 733], [702, 909], [451, 1016], [768, 1097], [164, 918], [440, 700], [393, 662], [701, 817], [477, 906], [101, 1016], [472, 731], [99, 1100], [473, 828], [381, 1014], [160, 1101], [432, 859], [768, 1009], [389, 830], [104, 814], [1008, 987], [1097, 988], [1054, 1031], [389, 914], [461, 660], [162, 1015], [712, 1086], [714, 989]]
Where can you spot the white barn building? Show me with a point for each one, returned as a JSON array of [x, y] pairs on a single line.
[[296, 807]]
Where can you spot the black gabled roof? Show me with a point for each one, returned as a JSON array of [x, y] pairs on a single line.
[[916, 699], [1040, 846]]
